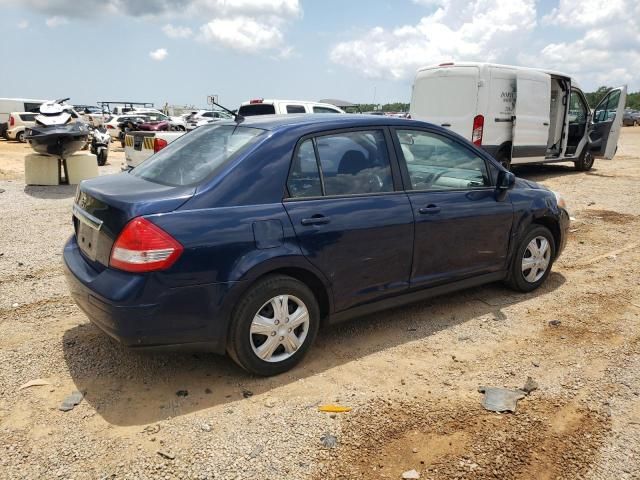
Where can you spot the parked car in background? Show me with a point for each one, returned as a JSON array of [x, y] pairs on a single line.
[[631, 118], [519, 115], [247, 237], [202, 117], [261, 106], [18, 123], [115, 123], [8, 105]]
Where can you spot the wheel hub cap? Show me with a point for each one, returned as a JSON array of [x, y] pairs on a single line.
[[279, 328], [535, 259]]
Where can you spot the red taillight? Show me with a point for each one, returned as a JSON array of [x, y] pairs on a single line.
[[144, 247], [159, 144], [12, 121], [256, 100], [476, 134], [110, 127]]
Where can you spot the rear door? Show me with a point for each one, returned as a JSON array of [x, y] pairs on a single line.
[[531, 123], [350, 221], [447, 96], [607, 123]]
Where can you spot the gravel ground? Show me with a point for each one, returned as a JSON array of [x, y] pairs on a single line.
[[410, 375]]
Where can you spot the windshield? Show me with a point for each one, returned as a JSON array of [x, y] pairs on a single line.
[[194, 156]]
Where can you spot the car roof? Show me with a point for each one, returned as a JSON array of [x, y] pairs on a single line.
[[324, 120]]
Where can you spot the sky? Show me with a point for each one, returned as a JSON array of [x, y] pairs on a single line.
[[363, 51]]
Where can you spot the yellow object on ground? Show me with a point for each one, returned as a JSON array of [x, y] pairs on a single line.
[[333, 409]]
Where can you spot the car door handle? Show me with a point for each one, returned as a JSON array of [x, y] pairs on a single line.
[[429, 210], [546, 124], [315, 220], [445, 124]]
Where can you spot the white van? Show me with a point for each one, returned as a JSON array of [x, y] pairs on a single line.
[[260, 106], [8, 105], [519, 115]]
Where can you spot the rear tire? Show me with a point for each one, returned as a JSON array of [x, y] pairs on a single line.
[[586, 160], [532, 260], [268, 337], [20, 137]]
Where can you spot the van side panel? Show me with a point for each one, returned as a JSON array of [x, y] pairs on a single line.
[[447, 96]]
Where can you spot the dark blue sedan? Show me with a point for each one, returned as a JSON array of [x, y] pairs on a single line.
[[247, 237]]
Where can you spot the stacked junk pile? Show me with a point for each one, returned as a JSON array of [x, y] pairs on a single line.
[[58, 138]]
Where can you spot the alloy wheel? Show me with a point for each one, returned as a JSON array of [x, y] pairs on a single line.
[[535, 259], [279, 328]]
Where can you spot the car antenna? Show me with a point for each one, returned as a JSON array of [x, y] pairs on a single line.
[[237, 117]]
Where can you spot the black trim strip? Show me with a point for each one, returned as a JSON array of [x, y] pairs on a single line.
[[529, 151], [503, 120]]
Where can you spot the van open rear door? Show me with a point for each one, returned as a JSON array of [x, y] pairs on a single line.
[[531, 122], [606, 124]]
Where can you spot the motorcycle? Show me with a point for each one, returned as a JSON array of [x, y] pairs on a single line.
[[100, 144]]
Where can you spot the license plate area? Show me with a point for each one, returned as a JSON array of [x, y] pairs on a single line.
[[88, 232], [137, 143]]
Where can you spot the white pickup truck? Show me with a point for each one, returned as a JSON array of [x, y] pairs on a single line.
[[138, 146]]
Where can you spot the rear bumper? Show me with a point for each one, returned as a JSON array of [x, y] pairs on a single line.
[[142, 311], [13, 132]]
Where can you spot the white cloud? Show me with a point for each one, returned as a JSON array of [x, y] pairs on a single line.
[[56, 21], [23, 24], [159, 54], [177, 31], [606, 45], [484, 30], [242, 33]]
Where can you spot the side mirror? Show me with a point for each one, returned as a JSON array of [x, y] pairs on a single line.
[[506, 181]]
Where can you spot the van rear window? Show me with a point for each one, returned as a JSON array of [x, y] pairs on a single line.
[[256, 109], [196, 155]]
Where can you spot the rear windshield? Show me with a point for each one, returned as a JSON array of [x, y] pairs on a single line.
[[195, 155], [257, 109]]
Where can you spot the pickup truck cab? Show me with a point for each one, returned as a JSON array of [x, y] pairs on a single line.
[[260, 106], [517, 114]]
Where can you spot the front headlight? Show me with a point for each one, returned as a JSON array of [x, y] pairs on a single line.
[[562, 203]]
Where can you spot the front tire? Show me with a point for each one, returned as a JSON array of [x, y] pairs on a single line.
[[533, 259], [273, 326], [102, 157], [586, 160]]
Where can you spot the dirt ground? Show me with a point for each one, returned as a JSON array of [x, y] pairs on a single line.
[[410, 375]]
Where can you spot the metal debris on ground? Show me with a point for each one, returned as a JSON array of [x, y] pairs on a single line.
[[554, 323], [182, 393], [500, 399], [71, 401], [38, 382], [166, 454], [328, 440], [247, 393]]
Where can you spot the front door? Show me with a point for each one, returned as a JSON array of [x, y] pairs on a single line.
[[461, 229], [531, 123], [349, 221], [607, 123]]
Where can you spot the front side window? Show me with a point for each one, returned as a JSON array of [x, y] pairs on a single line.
[[296, 109], [435, 162], [606, 109], [351, 163], [191, 158], [577, 109]]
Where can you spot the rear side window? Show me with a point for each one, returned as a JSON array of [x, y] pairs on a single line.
[[296, 109], [351, 163], [324, 110], [256, 109], [28, 117], [435, 162], [193, 157], [32, 107]]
